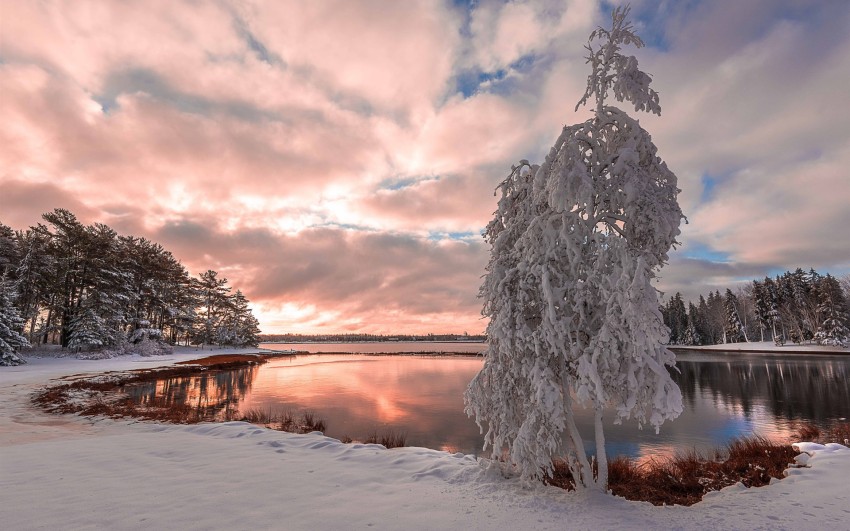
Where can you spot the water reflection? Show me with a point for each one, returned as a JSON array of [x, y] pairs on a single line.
[[360, 395], [213, 394], [725, 396], [801, 387]]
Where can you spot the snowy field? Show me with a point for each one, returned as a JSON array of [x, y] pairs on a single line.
[[66, 472]]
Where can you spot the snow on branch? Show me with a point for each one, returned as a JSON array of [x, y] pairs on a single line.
[[612, 70], [574, 318]]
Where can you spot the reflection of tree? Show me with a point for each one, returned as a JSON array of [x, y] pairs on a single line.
[[212, 394], [815, 390]]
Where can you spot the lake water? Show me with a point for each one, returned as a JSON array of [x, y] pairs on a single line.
[[726, 395]]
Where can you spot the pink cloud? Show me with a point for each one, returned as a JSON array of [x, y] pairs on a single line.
[[351, 276], [309, 151]]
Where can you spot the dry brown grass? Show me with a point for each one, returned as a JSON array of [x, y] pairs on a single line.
[[837, 432], [687, 477], [216, 361], [391, 439], [311, 423], [287, 421]]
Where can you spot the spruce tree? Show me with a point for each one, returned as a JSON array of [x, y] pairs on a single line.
[[734, 330], [832, 307]]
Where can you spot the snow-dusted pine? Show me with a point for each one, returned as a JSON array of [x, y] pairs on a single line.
[[11, 340], [832, 308], [734, 331], [574, 318]]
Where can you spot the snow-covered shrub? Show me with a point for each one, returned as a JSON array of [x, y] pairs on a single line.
[[575, 244], [144, 332], [151, 347]]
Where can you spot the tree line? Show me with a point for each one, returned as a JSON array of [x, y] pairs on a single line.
[[85, 287], [359, 338], [795, 306]]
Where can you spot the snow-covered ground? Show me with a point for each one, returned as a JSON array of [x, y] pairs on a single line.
[[768, 346], [66, 472]]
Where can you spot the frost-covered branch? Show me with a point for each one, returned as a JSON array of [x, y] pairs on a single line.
[[612, 70]]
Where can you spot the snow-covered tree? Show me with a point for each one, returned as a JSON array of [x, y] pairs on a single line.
[[11, 340], [89, 288], [34, 274], [239, 326], [692, 336], [8, 250], [844, 281], [575, 244], [761, 306], [213, 294], [734, 331], [833, 313], [88, 330]]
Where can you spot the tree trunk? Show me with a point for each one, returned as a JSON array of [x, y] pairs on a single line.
[[47, 323], [601, 456], [580, 466]]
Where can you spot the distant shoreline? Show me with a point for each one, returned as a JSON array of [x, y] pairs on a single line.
[[362, 342]]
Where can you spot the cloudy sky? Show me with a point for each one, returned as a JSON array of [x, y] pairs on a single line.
[[336, 160]]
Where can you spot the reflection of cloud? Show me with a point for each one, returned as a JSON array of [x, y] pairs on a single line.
[[421, 397], [724, 398], [224, 130], [388, 409]]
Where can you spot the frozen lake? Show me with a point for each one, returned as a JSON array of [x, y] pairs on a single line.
[[726, 395]]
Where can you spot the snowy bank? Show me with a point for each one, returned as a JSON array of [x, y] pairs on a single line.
[[74, 473], [764, 347]]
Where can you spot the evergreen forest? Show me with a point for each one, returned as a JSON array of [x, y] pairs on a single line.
[[85, 287], [796, 306]]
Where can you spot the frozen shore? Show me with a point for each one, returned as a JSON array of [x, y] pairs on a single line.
[[764, 347], [75, 473]]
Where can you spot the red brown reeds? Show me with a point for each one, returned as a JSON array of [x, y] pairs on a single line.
[[838, 431], [685, 478]]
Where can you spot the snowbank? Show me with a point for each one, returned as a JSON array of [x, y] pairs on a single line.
[[766, 346], [72, 473]]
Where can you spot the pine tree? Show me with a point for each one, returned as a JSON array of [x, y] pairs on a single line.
[[832, 308], [89, 288], [88, 331], [34, 273], [212, 293], [692, 335], [734, 330], [240, 327], [701, 322], [676, 319], [761, 305], [575, 245], [774, 316], [11, 323], [9, 252]]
